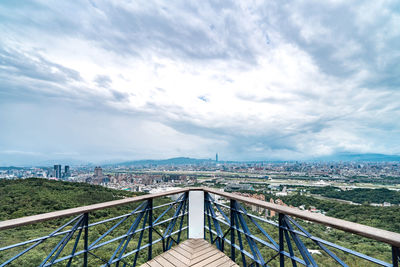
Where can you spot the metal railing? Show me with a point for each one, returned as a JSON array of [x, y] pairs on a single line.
[[76, 232], [155, 224], [239, 237]]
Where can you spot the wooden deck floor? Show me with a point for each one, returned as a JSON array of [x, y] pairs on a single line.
[[192, 252]]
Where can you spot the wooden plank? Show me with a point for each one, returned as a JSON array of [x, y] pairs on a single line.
[[196, 240], [171, 258], [204, 256], [154, 263], [196, 243], [190, 245], [203, 251], [163, 262], [145, 265], [179, 256], [228, 264], [205, 245], [209, 259], [220, 262], [187, 248], [201, 243], [180, 250]]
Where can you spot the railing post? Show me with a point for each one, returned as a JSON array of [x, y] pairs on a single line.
[[196, 214], [232, 230], [281, 240], [86, 237], [395, 256], [150, 206]]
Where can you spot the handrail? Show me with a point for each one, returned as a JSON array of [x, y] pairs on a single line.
[[79, 210], [388, 237]]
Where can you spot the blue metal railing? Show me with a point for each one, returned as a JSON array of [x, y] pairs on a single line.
[[253, 240], [238, 236], [142, 219]]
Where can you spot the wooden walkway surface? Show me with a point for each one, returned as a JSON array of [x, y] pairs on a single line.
[[192, 252]]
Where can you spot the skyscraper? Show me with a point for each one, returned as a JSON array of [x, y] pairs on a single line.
[[66, 171], [98, 172], [57, 171], [216, 158]]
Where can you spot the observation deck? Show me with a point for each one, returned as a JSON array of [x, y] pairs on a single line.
[[192, 252], [179, 228]]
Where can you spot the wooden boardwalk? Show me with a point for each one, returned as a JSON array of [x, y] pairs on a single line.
[[192, 252]]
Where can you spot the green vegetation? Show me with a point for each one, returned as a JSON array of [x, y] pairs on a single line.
[[387, 218], [359, 195], [25, 197], [34, 196]]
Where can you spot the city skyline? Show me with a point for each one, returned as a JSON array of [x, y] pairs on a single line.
[[115, 81]]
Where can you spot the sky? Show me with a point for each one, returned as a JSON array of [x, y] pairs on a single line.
[[100, 81]]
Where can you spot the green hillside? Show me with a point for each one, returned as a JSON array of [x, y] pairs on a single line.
[[24, 197]]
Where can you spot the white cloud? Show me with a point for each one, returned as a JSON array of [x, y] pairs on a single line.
[[251, 79]]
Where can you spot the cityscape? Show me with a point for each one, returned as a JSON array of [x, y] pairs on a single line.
[[279, 178], [200, 133]]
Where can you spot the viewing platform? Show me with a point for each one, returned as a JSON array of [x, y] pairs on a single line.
[[192, 227], [192, 252]]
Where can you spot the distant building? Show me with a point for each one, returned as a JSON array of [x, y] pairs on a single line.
[[66, 171], [216, 158], [239, 187], [57, 171], [98, 172]]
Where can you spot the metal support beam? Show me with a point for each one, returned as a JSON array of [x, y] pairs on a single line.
[[150, 206], [196, 214], [281, 240], [86, 238], [232, 230], [395, 256]]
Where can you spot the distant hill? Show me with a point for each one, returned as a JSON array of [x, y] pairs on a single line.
[[356, 157], [172, 161], [371, 157]]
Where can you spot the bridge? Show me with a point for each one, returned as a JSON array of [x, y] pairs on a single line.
[[192, 227]]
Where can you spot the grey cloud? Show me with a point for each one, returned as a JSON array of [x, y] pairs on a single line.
[[120, 96], [103, 81], [203, 34], [177, 30], [16, 63], [203, 98], [343, 30], [266, 99]]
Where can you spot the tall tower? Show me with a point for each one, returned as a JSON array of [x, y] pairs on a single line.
[[57, 171], [216, 158], [66, 171], [98, 171]]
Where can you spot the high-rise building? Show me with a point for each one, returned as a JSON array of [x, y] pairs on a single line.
[[216, 158], [66, 171], [98, 172], [57, 171]]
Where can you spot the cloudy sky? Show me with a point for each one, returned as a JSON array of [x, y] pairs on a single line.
[[117, 80]]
